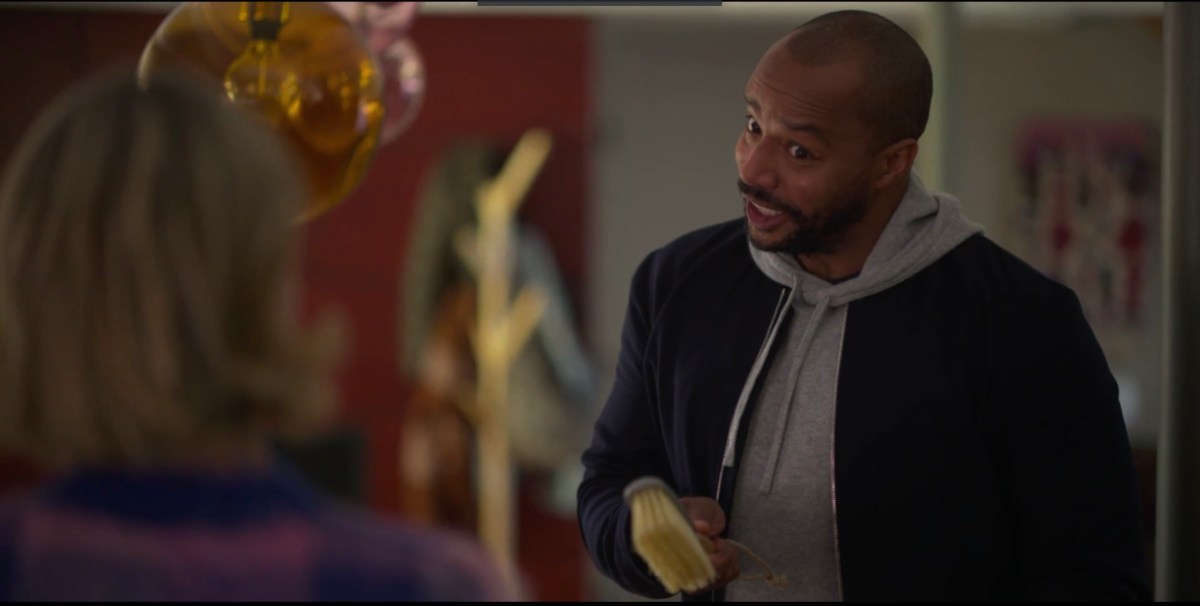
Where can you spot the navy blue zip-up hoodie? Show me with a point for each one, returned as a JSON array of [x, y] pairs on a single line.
[[979, 444]]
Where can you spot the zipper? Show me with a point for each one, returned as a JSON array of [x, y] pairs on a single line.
[[766, 339], [775, 318], [837, 376]]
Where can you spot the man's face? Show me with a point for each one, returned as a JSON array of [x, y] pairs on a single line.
[[803, 155]]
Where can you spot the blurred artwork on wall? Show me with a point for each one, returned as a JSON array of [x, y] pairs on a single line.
[[1088, 212], [551, 382]]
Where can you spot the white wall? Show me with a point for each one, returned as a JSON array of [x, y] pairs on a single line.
[[669, 110]]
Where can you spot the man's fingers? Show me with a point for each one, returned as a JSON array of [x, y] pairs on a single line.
[[725, 561], [704, 509], [730, 555]]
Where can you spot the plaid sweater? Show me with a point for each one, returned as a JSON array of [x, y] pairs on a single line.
[[110, 535]]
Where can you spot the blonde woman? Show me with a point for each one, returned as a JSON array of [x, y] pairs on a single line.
[[149, 346]]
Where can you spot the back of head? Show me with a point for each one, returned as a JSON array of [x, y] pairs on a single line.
[[898, 80], [147, 247]]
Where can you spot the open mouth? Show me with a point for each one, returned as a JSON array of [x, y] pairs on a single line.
[[762, 217]]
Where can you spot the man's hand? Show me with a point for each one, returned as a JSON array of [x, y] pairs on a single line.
[[709, 521]]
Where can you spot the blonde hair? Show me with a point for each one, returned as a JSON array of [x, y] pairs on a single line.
[[147, 258]]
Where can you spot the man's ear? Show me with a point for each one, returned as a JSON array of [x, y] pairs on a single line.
[[894, 162]]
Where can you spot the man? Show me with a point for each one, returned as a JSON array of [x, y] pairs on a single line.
[[853, 381]]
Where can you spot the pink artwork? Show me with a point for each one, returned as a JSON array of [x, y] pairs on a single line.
[[1089, 204]]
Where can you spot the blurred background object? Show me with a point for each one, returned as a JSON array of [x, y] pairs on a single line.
[[385, 25], [297, 65]]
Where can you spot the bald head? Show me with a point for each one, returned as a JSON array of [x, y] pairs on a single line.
[[897, 79]]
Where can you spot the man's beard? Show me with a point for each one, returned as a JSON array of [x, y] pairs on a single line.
[[811, 234]]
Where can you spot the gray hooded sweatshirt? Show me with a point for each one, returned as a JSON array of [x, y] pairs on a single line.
[[784, 505]]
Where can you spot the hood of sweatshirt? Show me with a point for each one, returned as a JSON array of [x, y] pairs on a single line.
[[925, 226]]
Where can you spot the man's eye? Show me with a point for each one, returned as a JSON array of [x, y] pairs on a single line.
[[751, 125], [799, 152]]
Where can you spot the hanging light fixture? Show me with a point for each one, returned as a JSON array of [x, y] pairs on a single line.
[[300, 66]]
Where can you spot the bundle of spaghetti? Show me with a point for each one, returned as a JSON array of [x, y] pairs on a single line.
[[664, 537]]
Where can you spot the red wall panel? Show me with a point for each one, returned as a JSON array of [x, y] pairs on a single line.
[[492, 78]]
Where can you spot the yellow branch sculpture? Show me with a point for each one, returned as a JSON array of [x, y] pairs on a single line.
[[502, 330]]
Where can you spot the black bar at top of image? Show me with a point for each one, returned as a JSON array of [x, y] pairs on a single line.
[[600, 4]]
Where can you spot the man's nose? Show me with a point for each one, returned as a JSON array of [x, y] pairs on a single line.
[[756, 167]]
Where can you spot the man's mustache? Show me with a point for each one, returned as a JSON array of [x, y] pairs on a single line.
[[761, 195]]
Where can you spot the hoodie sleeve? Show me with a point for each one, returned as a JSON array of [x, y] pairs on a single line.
[[626, 444], [1074, 485]]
